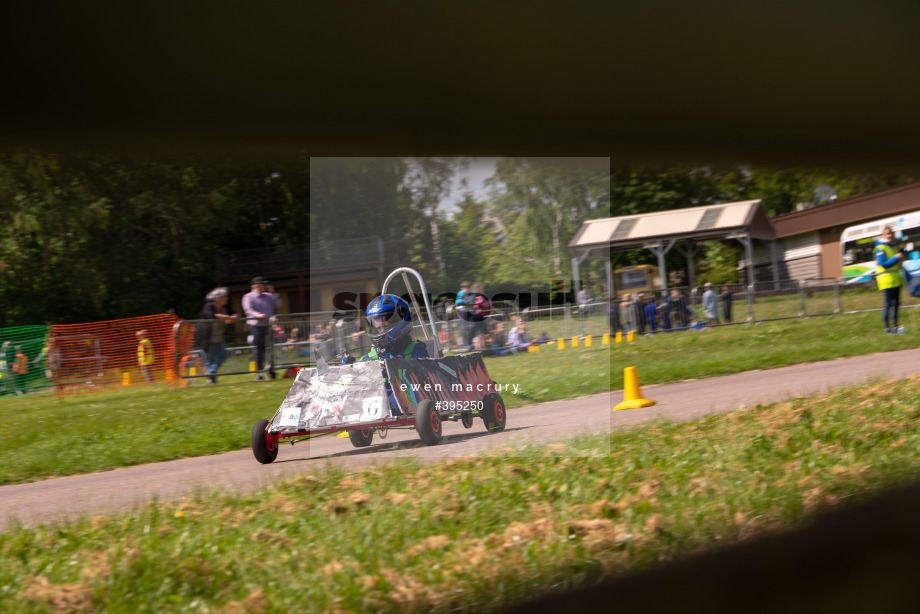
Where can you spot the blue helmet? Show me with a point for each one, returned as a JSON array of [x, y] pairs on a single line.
[[388, 319]]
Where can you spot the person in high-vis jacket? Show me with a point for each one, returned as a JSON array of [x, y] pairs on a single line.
[[389, 323], [145, 355], [888, 278]]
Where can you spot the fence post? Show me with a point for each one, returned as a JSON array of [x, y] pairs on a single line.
[[838, 305], [567, 316], [750, 302], [800, 286]]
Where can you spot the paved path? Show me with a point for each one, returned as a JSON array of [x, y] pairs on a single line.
[[121, 489]]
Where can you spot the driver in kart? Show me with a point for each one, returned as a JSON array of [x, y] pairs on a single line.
[[389, 323]]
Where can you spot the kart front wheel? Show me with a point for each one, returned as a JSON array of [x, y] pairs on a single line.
[[361, 438], [493, 412], [428, 423], [264, 446]]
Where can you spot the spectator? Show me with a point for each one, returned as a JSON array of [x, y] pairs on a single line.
[[492, 347], [217, 310], [678, 310], [664, 315], [518, 339], [145, 356], [20, 370], [499, 332], [544, 338], [481, 308], [462, 304], [727, 298], [50, 356], [294, 337], [318, 340], [710, 304], [650, 315], [629, 314], [613, 313], [888, 278], [440, 308], [638, 303], [583, 298], [260, 305]]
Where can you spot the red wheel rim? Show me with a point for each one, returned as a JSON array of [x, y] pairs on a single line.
[[499, 412], [270, 442], [435, 421], [366, 433]]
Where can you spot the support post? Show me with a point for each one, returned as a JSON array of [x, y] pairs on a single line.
[[689, 252], [660, 249]]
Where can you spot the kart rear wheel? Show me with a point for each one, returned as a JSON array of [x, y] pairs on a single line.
[[428, 423], [493, 412], [361, 438], [264, 446]]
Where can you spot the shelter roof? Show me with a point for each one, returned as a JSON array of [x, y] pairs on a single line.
[[693, 224], [892, 201]]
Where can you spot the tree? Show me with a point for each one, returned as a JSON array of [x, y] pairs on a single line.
[[542, 203], [719, 265], [430, 181]]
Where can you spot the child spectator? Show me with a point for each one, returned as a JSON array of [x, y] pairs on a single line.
[[481, 307], [650, 315], [145, 355], [518, 339]]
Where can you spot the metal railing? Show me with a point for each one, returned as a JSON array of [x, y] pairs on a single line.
[[195, 349], [298, 338]]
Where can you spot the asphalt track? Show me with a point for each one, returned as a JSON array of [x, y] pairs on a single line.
[[62, 499]]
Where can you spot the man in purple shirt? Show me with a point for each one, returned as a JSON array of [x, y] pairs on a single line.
[[259, 306]]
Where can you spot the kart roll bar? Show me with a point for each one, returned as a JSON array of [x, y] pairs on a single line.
[[434, 333]]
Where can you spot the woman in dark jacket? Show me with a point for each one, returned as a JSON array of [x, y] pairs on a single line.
[[216, 308]]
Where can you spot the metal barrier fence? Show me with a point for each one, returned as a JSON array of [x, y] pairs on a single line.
[[297, 338], [652, 311], [201, 344]]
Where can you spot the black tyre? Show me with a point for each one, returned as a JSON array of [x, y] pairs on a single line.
[[493, 412], [428, 423], [362, 438], [264, 446]]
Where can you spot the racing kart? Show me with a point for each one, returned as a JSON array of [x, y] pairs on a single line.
[[353, 398]]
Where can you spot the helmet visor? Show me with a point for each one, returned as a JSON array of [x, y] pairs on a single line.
[[379, 324]]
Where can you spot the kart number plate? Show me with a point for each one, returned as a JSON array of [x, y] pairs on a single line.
[[290, 416]]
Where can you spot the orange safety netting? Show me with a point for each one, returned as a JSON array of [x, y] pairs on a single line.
[[103, 355]]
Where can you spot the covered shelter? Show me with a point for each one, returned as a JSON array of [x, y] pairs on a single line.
[[660, 231]]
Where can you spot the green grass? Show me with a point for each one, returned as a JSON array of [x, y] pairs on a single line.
[[45, 436], [477, 534]]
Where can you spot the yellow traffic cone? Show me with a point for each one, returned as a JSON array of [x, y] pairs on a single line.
[[588, 342], [619, 337], [631, 393], [630, 336], [126, 379], [342, 435], [252, 367], [533, 348], [560, 343], [575, 342], [605, 340]]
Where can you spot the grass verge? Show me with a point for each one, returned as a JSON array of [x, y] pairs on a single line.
[[477, 533]]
